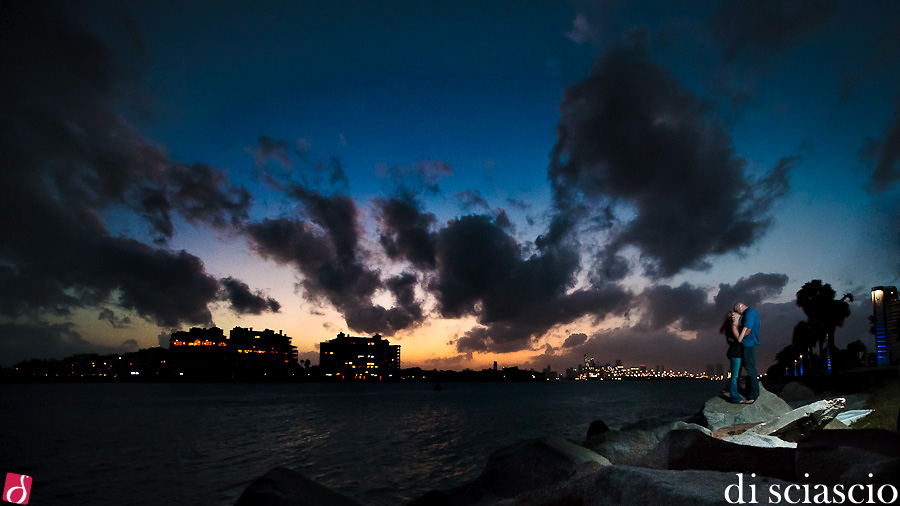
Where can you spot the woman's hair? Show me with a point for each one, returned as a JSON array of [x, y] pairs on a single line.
[[726, 325]]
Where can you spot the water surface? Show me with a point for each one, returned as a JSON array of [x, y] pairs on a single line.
[[381, 444]]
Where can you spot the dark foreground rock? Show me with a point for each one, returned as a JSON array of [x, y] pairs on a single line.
[[721, 413], [688, 449], [632, 445], [519, 469], [849, 456], [627, 485], [283, 487]]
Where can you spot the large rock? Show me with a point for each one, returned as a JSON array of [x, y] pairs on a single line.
[[721, 413], [797, 424], [597, 427], [632, 444], [798, 392], [283, 487], [759, 440], [848, 456], [733, 430], [519, 469]]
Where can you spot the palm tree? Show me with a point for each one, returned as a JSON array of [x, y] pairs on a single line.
[[823, 313]]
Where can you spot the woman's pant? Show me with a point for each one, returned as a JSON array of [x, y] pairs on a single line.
[[733, 381]]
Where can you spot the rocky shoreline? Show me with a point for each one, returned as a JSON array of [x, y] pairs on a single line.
[[760, 451]]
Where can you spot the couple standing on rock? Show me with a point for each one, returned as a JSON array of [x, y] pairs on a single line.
[[741, 329]]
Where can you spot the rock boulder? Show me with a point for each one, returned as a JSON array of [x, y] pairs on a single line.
[[283, 487], [719, 413], [632, 445], [518, 470], [690, 449], [626, 486]]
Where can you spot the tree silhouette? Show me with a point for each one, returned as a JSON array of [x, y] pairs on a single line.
[[823, 314], [856, 352]]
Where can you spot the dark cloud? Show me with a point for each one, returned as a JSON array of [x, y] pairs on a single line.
[[403, 287], [163, 337], [70, 158], [687, 307], [885, 153], [66, 259], [272, 159], [44, 341], [631, 136], [482, 271], [760, 29], [582, 31], [199, 193], [202, 194], [751, 290], [519, 204], [575, 340], [166, 287], [245, 301], [276, 165], [472, 199], [665, 305], [117, 322], [408, 181], [325, 249], [406, 231]]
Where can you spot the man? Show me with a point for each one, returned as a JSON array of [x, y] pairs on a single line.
[[747, 333]]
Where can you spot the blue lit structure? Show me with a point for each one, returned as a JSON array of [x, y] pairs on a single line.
[[886, 307]]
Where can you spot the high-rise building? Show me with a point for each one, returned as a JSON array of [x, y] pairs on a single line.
[[359, 358], [244, 353], [886, 306], [198, 339], [275, 347]]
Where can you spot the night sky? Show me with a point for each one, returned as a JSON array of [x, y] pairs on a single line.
[[525, 182]]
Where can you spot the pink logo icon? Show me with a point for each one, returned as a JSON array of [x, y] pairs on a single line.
[[17, 488]]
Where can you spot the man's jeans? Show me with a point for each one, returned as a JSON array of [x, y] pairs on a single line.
[[749, 361]]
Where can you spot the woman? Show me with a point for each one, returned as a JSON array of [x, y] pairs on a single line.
[[734, 354]]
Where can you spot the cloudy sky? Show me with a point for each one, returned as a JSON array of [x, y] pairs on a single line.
[[526, 182]]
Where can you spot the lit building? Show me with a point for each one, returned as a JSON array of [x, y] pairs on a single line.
[[276, 347], [886, 307], [245, 353], [361, 358], [197, 338]]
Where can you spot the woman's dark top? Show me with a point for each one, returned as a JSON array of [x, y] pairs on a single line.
[[734, 348]]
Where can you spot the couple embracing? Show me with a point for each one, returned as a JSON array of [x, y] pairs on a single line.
[[741, 329]]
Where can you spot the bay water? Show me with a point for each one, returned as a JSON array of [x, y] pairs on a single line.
[[147, 444]]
